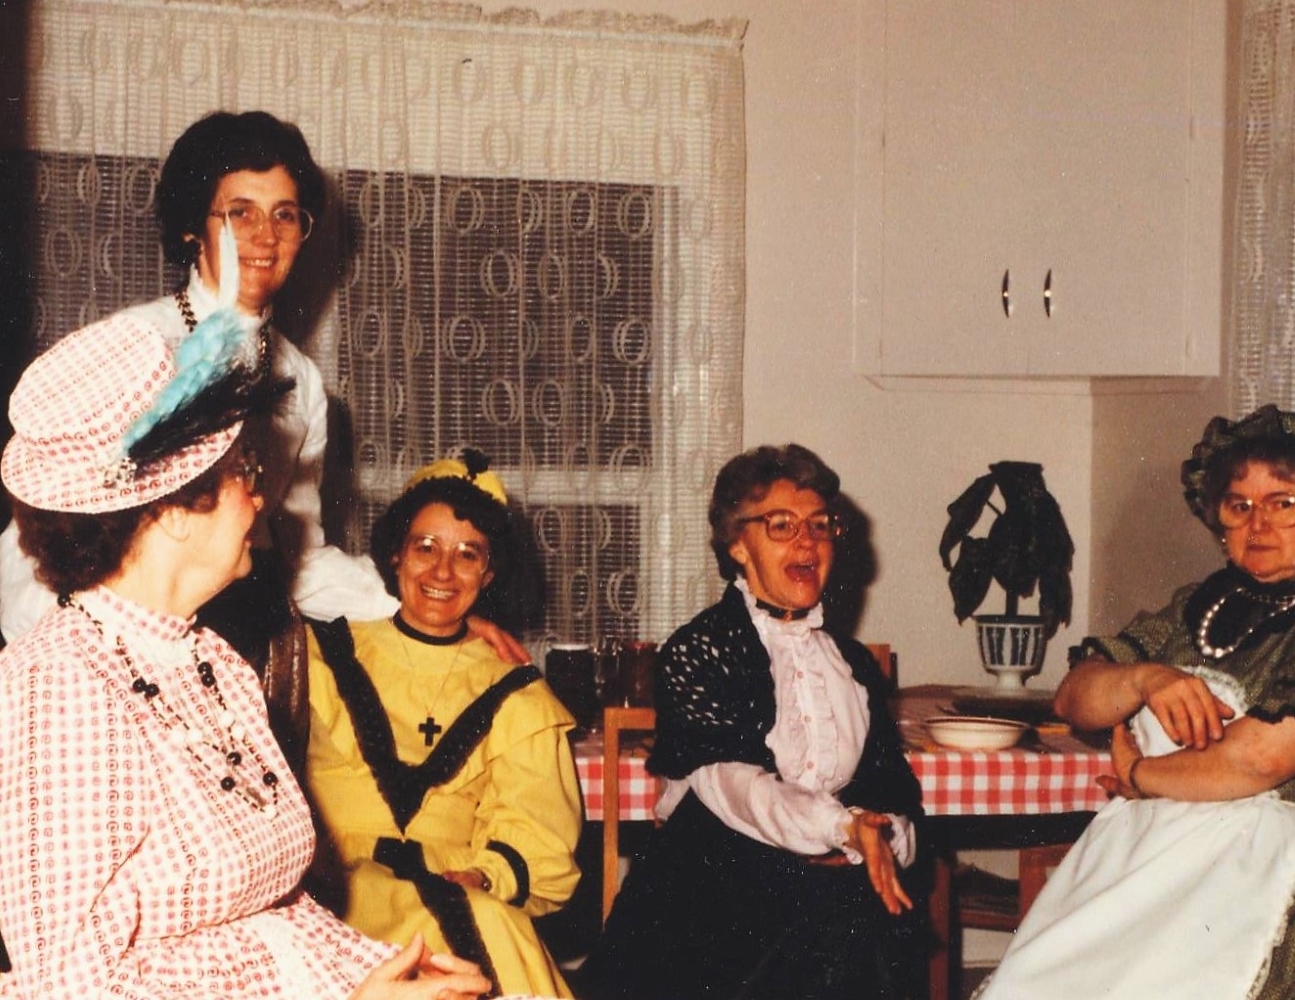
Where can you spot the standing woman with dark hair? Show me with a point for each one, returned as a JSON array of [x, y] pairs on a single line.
[[254, 174]]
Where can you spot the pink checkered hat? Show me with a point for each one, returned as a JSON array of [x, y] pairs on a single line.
[[70, 410]]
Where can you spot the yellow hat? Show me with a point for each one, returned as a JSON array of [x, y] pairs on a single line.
[[474, 470]]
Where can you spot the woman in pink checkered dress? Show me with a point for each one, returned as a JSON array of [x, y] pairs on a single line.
[[151, 833]]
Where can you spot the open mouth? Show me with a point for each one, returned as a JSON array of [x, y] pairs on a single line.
[[803, 572]]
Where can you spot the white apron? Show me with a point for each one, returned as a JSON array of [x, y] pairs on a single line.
[[1160, 898]]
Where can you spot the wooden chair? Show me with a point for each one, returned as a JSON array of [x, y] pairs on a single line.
[[955, 907], [617, 720]]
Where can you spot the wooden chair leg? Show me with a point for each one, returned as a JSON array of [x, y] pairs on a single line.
[[940, 967]]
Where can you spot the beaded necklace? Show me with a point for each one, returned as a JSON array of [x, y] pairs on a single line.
[[1278, 604], [222, 756], [262, 334]]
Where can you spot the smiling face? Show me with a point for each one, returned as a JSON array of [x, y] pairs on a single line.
[[437, 588], [1260, 548], [264, 260], [791, 574]]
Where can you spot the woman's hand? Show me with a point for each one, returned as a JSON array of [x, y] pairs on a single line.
[[418, 974], [505, 646], [1099, 694], [471, 878], [1187, 709], [1124, 757], [870, 836]]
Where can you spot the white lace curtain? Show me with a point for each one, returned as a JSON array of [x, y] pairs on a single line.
[[537, 250], [1263, 344]]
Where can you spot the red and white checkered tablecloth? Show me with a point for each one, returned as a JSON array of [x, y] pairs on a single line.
[[638, 792], [1009, 782], [1058, 775]]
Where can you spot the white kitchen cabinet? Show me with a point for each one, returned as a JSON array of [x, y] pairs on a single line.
[[1050, 184]]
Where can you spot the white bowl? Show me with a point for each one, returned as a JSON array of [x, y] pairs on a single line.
[[975, 732]]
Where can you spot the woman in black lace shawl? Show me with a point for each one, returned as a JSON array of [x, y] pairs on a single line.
[[783, 864]]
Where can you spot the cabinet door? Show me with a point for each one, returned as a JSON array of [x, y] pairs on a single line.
[[950, 180], [1107, 101], [1032, 139]]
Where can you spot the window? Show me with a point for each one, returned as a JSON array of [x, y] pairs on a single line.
[[538, 250]]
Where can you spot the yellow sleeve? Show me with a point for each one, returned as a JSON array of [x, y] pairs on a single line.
[[532, 803]]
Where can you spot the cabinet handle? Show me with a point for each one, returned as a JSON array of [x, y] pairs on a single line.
[[1047, 293], [1007, 293]]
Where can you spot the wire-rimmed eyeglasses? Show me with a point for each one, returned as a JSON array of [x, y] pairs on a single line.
[[291, 223], [466, 558], [1237, 511], [250, 472], [785, 526]]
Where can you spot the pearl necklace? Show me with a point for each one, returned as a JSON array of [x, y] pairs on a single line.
[[1279, 605], [228, 747]]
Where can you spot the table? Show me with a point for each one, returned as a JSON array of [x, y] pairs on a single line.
[[1056, 774]]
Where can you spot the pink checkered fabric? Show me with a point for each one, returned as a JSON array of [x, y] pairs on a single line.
[[70, 410]]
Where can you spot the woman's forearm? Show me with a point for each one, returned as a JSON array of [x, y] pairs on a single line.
[[1098, 694], [1252, 757]]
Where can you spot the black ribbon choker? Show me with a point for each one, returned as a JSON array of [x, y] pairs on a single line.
[[783, 614]]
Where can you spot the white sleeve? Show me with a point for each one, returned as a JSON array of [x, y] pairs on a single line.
[[755, 802], [330, 583], [301, 438], [23, 599], [758, 803], [327, 582]]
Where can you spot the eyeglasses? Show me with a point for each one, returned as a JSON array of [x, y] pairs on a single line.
[[1238, 512], [784, 526], [290, 223], [422, 552], [250, 472]]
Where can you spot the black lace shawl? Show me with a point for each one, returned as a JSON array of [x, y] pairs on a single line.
[[715, 703]]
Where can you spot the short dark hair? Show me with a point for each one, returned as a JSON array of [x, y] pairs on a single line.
[[219, 144], [76, 551], [748, 477], [500, 600]]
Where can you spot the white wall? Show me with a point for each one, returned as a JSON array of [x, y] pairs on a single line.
[[903, 454]]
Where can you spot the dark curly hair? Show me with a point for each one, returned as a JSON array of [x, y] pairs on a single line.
[[1267, 436], [225, 143], [747, 477], [505, 600], [78, 551]]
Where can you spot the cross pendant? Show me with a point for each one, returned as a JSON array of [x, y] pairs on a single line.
[[429, 729]]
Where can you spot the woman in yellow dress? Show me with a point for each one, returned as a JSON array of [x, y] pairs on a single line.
[[442, 775]]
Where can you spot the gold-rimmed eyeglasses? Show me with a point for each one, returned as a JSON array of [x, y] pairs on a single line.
[[422, 552], [291, 223], [1238, 511], [785, 526]]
